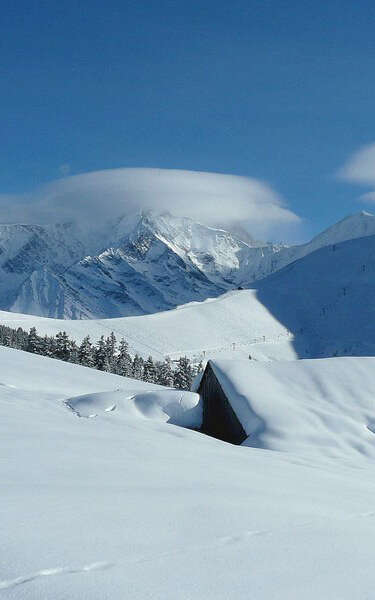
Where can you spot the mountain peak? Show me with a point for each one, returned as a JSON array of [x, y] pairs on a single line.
[[140, 263], [361, 224], [356, 216]]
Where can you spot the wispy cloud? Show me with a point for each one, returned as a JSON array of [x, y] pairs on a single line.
[[360, 168], [212, 198]]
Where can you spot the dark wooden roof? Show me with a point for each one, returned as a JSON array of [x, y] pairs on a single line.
[[219, 418]]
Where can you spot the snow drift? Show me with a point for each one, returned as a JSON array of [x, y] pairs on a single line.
[[98, 392], [171, 406], [321, 407]]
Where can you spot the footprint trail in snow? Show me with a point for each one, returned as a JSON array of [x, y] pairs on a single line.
[[97, 566]]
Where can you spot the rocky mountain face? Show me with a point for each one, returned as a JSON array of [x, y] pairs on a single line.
[[140, 264]]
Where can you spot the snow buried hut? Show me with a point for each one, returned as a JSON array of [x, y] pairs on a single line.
[[324, 407]]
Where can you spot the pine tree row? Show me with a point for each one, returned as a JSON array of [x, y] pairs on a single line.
[[104, 355]]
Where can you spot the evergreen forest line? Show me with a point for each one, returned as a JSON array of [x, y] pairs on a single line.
[[106, 354]]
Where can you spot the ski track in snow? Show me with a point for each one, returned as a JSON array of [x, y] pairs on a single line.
[[216, 543]]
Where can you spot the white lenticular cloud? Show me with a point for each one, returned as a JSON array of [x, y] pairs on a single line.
[[369, 197], [360, 168], [212, 198]]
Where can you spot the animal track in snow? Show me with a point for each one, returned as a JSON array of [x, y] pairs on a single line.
[[97, 566], [233, 539]]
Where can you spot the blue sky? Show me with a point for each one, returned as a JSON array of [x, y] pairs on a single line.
[[279, 91]]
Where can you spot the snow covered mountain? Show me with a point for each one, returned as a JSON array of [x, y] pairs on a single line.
[[319, 305], [32, 258], [138, 265]]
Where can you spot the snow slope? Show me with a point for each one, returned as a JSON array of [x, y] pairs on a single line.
[[325, 299], [233, 324], [107, 508], [323, 407], [98, 392]]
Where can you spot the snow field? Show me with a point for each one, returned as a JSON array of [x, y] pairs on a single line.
[[125, 507]]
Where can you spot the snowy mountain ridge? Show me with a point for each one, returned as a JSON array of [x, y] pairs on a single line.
[[140, 264], [317, 306]]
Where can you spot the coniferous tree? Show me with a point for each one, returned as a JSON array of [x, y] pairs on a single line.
[[13, 338], [101, 362], [86, 353], [124, 364], [165, 372], [73, 352], [149, 371], [52, 346], [33, 342], [110, 347], [21, 338], [46, 346], [101, 356], [62, 349], [137, 367], [183, 375], [9, 338]]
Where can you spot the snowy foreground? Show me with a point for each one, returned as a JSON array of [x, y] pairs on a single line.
[[125, 505]]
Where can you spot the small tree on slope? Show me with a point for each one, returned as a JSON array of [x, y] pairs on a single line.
[[86, 353], [124, 365], [183, 375], [164, 373]]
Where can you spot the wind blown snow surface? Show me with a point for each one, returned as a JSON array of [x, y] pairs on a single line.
[[122, 506], [166, 405]]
